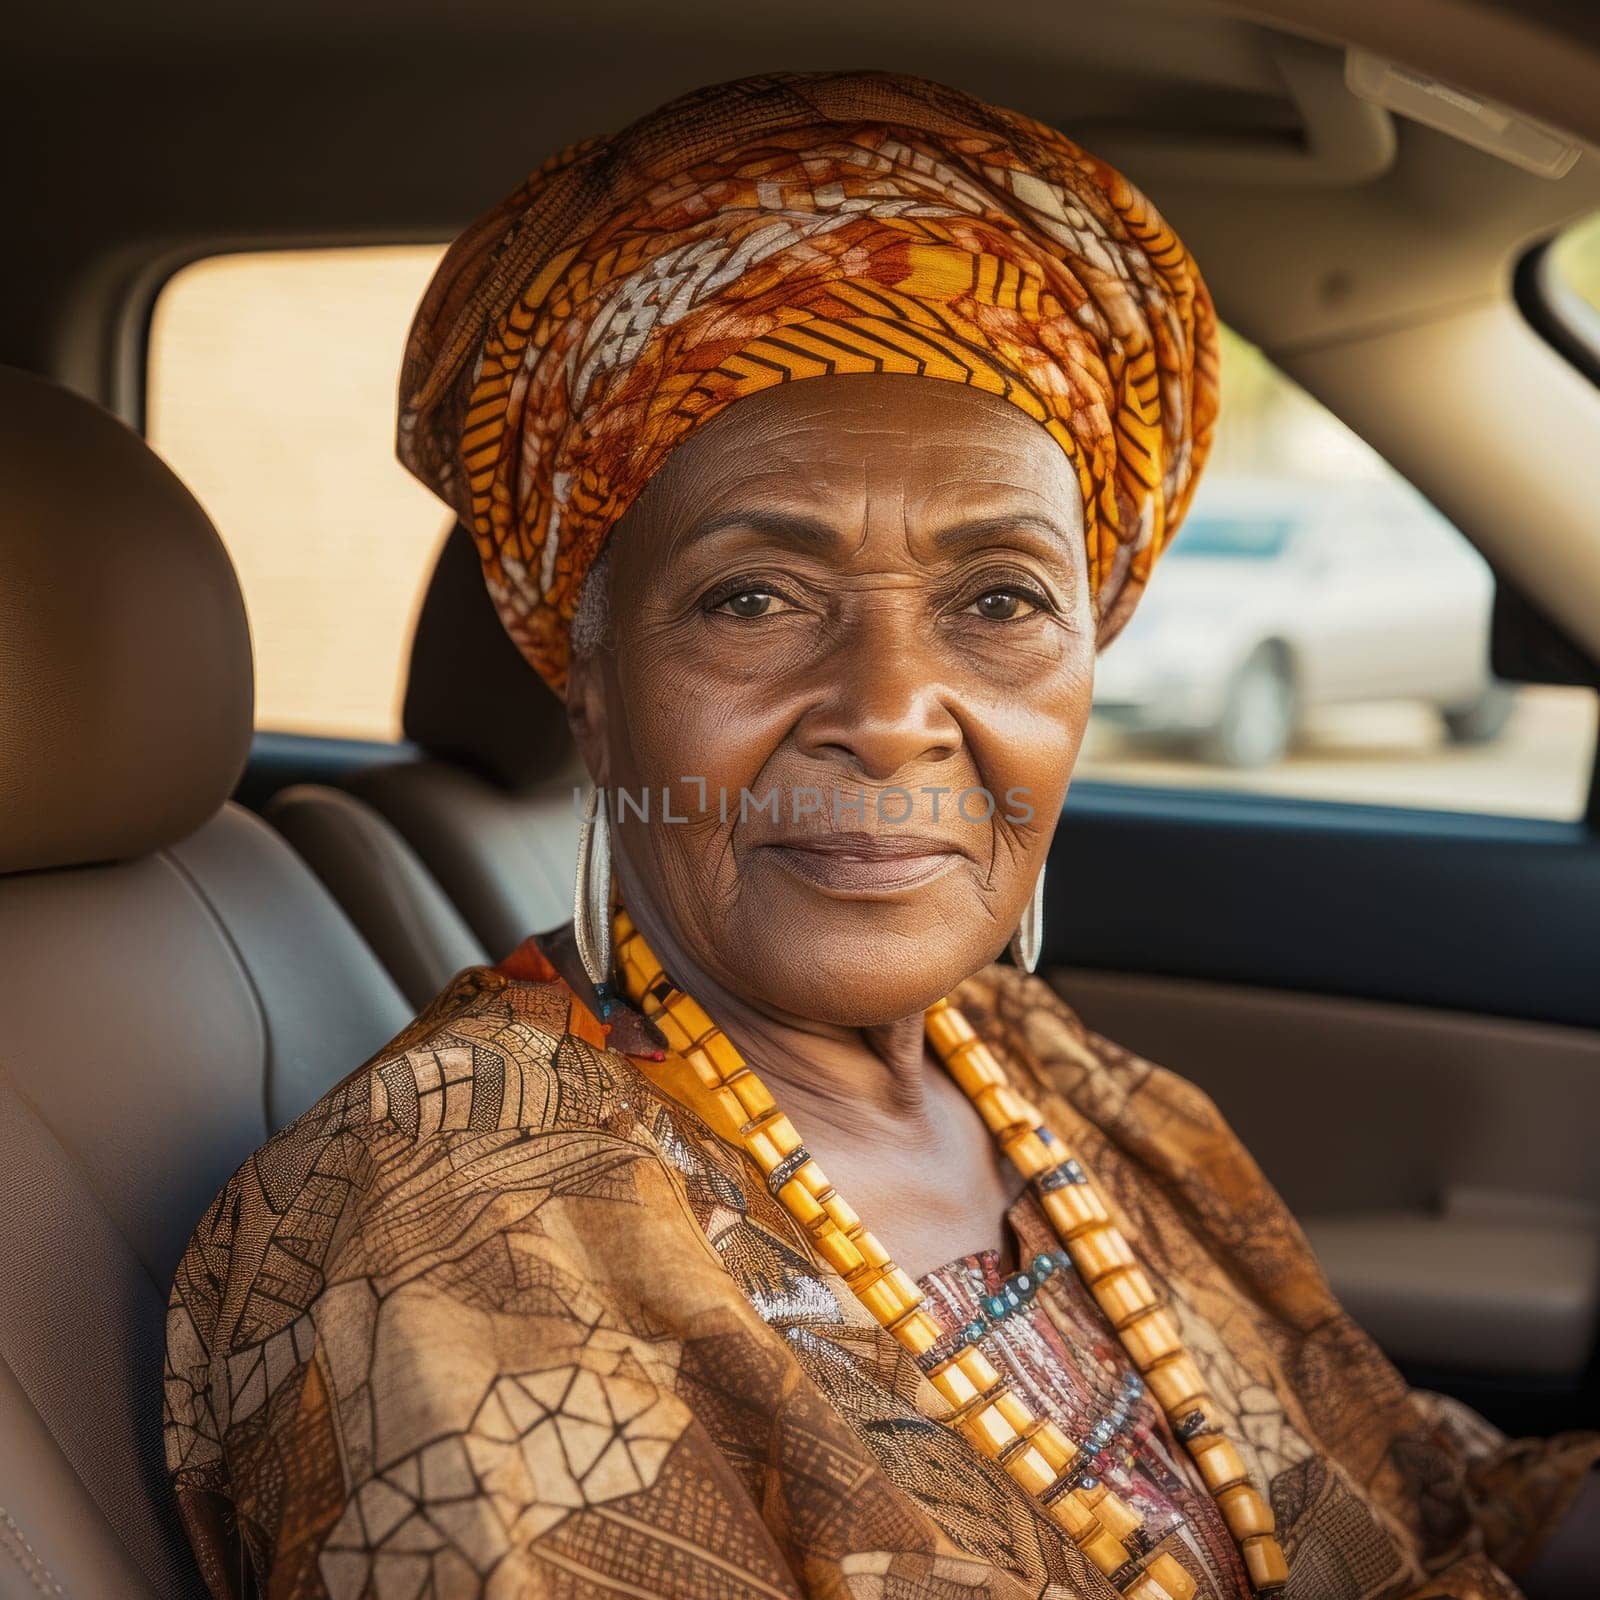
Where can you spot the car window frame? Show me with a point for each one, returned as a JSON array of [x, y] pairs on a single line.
[[1571, 327], [1555, 310]]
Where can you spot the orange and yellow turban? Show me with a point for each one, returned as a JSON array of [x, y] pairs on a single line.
[[787, 227]]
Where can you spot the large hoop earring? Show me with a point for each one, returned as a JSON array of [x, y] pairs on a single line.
[[1028, 941], [591, 897]]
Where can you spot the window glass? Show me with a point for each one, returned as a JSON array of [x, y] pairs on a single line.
[[1576, 258], [271, 392], [1318, 629]]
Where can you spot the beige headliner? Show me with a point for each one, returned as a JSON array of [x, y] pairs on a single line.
[[1375, 265]]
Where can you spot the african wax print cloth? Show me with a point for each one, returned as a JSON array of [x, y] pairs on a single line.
[[787, 227], [501, 1316]]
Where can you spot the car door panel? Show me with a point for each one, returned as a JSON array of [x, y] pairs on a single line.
[[1358, 1106], [1368, 996], [1476, 913]]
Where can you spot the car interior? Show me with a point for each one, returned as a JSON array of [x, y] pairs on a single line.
[[188, 900]]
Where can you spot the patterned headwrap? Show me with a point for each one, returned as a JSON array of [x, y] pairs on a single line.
[[796, 226]]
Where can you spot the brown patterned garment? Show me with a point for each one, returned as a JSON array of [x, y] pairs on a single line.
[[498, 1317]]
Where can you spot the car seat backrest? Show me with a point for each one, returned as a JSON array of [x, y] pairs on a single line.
[[175, 981], [403, 914], [489, 809]]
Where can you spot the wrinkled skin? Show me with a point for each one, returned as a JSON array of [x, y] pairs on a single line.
[[847, 586]]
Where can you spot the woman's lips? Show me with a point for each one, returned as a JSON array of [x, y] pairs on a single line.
[[855, 865]]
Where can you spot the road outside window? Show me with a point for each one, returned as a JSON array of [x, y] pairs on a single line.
[[1316, 628]]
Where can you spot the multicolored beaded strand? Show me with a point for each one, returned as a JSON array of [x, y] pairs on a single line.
[[1107, 1264], [986, 1410], [1016, 1292]]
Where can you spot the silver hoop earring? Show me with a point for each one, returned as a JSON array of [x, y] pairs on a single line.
[[1028, 940], [591, 898]]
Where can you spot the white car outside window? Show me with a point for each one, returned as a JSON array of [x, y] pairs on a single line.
[[1280, 597]]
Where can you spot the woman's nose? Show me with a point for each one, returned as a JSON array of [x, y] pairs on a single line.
[[882, 704]]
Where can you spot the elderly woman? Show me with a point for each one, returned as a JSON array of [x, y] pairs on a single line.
[[761, 1236]]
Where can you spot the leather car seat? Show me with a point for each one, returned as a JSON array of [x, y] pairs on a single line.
[[488, 811], [402, 913], [175, 982]]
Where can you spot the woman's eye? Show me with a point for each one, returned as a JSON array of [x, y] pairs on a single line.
[[1004, 605], [749, 603]]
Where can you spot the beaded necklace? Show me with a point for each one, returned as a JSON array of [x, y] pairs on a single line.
[[986, 1409]]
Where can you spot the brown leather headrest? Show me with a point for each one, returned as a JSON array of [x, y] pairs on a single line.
[[470, 697], [126, 688]]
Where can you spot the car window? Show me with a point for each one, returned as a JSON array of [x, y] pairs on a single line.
[[1575, 255], [1317, 629], [270, 388], [1245, 537]]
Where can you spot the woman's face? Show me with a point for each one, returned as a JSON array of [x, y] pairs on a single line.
[[852, 644]]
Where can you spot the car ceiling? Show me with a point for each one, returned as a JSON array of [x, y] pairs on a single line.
[[147, 129], [150, 134]]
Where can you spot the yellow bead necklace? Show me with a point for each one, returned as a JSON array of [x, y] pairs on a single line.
[[986, 1409]]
